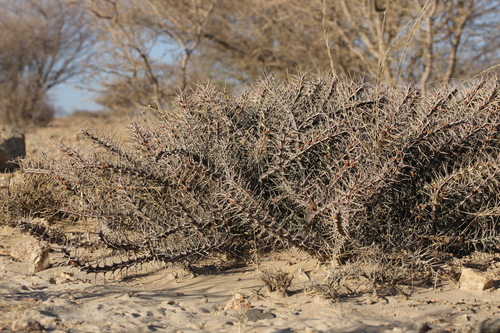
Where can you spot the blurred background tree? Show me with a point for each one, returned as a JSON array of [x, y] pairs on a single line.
[[147, 51], [43, 43]]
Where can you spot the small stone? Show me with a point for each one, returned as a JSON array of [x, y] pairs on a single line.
[[26, 325], [239, 296], [472, 280], [463, 318], [235, 304], [259, 314]]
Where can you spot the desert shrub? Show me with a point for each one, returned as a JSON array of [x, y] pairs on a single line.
[[380, 273], [276, 280], [28, 196], [324, 164]]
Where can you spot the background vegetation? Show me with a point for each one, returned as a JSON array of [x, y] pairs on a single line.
[[139, 53]]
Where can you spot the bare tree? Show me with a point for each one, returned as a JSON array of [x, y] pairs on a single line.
[[43, 43], [150, 50], [145, 48], [422, 41]]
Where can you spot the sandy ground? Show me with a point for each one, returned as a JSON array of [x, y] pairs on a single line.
[[62, 299]]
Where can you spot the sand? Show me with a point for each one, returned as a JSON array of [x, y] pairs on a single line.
[[62, 299]]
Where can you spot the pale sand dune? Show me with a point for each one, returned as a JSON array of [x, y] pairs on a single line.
[[64, 300]]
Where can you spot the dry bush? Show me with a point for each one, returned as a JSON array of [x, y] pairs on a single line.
[[382, 273], [28, 196], [324, 164], [276, 280]]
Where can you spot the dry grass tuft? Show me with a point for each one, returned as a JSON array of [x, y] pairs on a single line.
[[276, 280]]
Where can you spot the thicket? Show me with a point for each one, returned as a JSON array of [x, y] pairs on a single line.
[[330, 166]]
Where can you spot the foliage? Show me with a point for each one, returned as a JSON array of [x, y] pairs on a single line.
[[327, 165]]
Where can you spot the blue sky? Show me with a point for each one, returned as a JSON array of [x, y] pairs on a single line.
[[67, 98]]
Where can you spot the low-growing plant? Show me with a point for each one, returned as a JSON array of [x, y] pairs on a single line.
[[323, 164], [276, 280], [380, 273], [34, 196]]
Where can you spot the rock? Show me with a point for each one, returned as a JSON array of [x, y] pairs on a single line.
[[472, 280], [12, 145], [39, 259], [26, 325], [489, 326], [35, 253], [22, 251], [462, 318], [238, 302], [239, 296], [258, 314]]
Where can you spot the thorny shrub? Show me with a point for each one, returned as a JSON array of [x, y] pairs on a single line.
[[323, 164]]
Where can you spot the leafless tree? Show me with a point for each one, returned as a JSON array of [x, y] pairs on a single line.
[[153, 49], [145, 47], [392, 42], [422, 41], [43, 43]]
